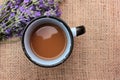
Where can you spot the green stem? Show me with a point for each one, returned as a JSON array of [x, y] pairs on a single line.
[[10, 25], [4, 17]]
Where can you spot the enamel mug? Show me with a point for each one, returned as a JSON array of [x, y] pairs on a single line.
[[69, 32]]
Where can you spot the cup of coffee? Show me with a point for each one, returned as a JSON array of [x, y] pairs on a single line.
[[48, 41]]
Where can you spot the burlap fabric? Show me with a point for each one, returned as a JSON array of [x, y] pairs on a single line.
[[96, 55]]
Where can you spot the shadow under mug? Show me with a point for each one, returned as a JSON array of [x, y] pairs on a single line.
[[70, 33]]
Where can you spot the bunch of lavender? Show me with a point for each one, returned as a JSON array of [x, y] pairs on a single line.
[[16, 14]]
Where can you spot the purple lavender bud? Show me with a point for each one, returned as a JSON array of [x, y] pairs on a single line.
[[41, 1], [32, 7], [28, 12], [9, 3], [18, 1], [8, 31], [22, 9], [6, 19], [16, 6], [41, 4], [48, 8], [27, 1], [37, 14], [12, 15], [58, 13], [3, 25], [1, 6], [21, 18], [24, 21], [51, 2]]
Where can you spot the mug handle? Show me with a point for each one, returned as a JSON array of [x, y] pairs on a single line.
[[77, 31]]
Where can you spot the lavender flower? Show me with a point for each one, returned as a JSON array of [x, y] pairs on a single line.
[[51, 2], [27, 1], [41, 4], [16, 6], [33, 7], [16, 14], [12, 15], [18, 2], [22, 9], [37, 14], [8, 31]]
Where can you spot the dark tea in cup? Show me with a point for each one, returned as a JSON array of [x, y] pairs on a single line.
[[48, 41]]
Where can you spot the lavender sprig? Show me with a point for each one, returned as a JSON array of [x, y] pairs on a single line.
[[16, 14]]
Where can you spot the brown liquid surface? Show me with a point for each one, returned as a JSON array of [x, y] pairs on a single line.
[[48, 41]]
